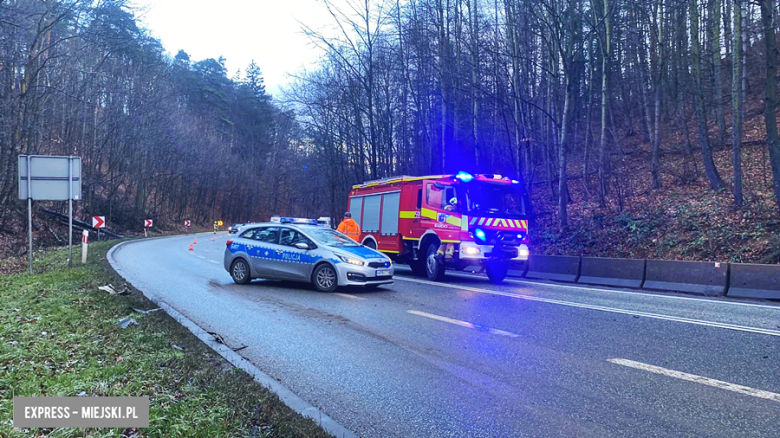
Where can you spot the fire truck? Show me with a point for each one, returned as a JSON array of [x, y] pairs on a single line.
[[434, 223]]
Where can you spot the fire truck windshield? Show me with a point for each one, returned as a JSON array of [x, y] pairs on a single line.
[[489, 198]]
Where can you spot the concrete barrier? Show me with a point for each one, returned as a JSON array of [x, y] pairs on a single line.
[[518, 269], [754, 281], [612, 272], [702, 278], [559, 268]]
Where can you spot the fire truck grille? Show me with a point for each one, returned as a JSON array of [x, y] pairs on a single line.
[[504, 251], [378, 265]]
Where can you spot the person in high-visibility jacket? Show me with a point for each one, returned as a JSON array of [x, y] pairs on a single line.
[[349, 227]]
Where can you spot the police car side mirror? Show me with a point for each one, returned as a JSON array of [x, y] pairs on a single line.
[[302, 245]]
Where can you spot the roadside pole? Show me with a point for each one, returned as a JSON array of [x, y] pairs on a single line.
[[84, 246], [29, 213], [70, 212]]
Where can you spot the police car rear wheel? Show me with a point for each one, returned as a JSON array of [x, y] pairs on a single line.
[[240, 272], [434, 267], [325, 278]]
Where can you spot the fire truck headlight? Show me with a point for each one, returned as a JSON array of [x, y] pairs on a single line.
[[479, 234], [352, 261], [523, 252], [471, 250]]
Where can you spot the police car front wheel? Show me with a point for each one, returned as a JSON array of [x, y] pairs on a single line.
[[325, 278]]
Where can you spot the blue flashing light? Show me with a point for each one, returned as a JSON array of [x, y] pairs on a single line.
[[297, 220], [514, 181], [479, 234], [464, 176]]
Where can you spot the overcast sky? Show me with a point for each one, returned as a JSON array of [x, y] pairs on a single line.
[[240, 30]]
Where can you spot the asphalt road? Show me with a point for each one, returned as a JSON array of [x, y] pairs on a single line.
[[468, 358]]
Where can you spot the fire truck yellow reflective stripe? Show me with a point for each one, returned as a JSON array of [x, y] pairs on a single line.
[[430, 214], [411, 238], [464, 223], [406, 214], [489, 221], [525, 224], [389, 251], [453, 220], [450, 241]]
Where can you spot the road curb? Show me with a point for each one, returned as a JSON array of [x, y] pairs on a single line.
[[289, 398]]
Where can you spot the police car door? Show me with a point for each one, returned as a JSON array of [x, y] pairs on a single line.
[[264, 252], [295, 263]]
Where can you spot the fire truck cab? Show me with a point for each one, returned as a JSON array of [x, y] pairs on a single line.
[[440, 222]]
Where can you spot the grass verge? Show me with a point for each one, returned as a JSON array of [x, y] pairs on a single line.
[[59, 337]]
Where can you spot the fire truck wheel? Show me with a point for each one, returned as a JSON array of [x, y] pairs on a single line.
[[325, 278], [370, 244], [434, 267], [418, 267], [496, 271]]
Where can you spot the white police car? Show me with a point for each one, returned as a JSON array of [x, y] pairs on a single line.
[[301, 250]]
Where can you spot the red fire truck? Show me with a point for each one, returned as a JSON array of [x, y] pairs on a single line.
[[434, 223]]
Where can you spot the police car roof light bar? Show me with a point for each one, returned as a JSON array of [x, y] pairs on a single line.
[[294, 220]]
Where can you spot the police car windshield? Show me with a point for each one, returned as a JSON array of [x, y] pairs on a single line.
[[329, 237], [488, 198]]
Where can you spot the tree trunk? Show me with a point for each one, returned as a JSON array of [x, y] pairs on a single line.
[[737, 96], [704, 141], [770, 118]]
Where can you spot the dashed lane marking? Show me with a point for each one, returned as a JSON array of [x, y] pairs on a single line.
[[351, 297], [601, 308], [463, 323], [746, 390]]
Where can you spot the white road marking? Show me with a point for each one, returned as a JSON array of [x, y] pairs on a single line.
[[598, 289], [463, 323], [601, 308], [699, 379], [214, 261], [352, 297]]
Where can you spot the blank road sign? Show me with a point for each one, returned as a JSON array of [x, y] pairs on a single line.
[[49, 177]]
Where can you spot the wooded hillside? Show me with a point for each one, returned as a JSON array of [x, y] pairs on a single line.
[[638, 126]]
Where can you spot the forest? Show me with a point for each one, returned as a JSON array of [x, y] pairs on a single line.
[[640, 128]]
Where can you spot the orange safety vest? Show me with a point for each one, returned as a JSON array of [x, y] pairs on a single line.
[[349, 227]]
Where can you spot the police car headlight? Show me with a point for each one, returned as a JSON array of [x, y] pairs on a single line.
[[352, 261]]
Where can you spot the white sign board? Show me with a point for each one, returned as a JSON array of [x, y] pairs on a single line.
[[49, 177], [98, 221]]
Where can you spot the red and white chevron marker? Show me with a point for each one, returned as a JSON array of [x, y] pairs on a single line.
[[148, 223], [187, 223], [98, 221]]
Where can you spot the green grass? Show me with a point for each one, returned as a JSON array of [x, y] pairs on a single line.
[[59, 337]]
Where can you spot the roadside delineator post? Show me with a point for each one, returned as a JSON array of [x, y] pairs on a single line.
[[84, 246]]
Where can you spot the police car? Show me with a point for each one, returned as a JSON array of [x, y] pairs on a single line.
[[303, 250]]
